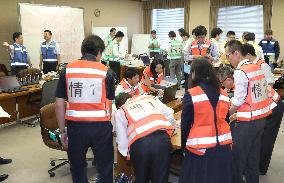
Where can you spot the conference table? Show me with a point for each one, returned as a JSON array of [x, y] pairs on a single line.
[[18, 101]]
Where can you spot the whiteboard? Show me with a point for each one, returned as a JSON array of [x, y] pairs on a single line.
[[103, 32], [65, 23], [140, 43]]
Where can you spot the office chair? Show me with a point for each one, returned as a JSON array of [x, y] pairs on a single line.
[[115, 66], [48, 122], [47, 97], [3, 68]]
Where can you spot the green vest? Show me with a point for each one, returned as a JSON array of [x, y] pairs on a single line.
[[155, 43], [108, 54], [109, 40], [175, 51]]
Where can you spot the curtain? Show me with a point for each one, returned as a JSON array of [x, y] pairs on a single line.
[[148, 6], [216, 4]]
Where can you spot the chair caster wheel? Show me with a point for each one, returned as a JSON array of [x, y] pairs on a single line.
[[52, 163], [51, 174]]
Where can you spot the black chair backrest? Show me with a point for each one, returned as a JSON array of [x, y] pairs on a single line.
[[115, 66], [48, 92]]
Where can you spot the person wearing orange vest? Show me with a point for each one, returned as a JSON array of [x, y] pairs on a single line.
[[83, 99], [205, 133], [143, 128], [225, 75], [130, 83], [273, 121], [153, 74], [201, 47], [251, 105]]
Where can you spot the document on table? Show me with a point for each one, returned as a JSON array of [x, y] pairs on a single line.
[[4, 114]]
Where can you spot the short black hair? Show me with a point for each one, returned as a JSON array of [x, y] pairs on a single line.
[[249, 36], [193, 31], [121, 98], [269, 32], [184, 34], [216, 31], [200, 31], [130, 73], [231, 33], [244, 33], [50, 33], [112, 30], [153, 32], [92, 44], [235, 45], [16, 35], [249, 49], [119, 34], [153, 65], [181, 30], [172, 34]]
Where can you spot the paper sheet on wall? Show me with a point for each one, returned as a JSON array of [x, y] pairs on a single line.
[[140, 43], [65, 23], [4, 114]]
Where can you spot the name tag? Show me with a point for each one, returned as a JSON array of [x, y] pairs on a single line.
[[259, 91]]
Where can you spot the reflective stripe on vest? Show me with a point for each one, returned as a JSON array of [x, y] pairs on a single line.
[[195, 49], [128, 88], [203, 133], [144, 117], [20, 56], [257, 103], [47, 53], [85, 81]]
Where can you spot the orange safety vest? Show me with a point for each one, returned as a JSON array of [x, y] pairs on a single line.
[[272, 93], [196, 51], [144, 118], [128, 88], [148, 72], [203, 133], [257, 104], [85, 81]]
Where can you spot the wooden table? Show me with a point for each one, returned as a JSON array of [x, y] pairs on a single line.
[[125, 166], [8, 102]]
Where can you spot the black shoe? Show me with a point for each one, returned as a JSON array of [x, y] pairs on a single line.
[[5, 161], [3, 177]]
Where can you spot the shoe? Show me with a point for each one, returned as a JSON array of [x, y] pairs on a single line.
[[5, 161], [3, 177], [262, 173]]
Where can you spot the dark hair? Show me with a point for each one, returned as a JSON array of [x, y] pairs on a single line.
[[121, 98], [193, 32], [249, 49], [216, 31], [118, 34], [268, 32], [249, 36], [181, 30], [130, 73], [153, 65], [204, 73], [184, 34], [235, 45], [172, 34], [231, 33], [16, 35], [200, 31], [50, 33], [244, 33], [153, 32], [225, 72], [92, 45], [112, 29]]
